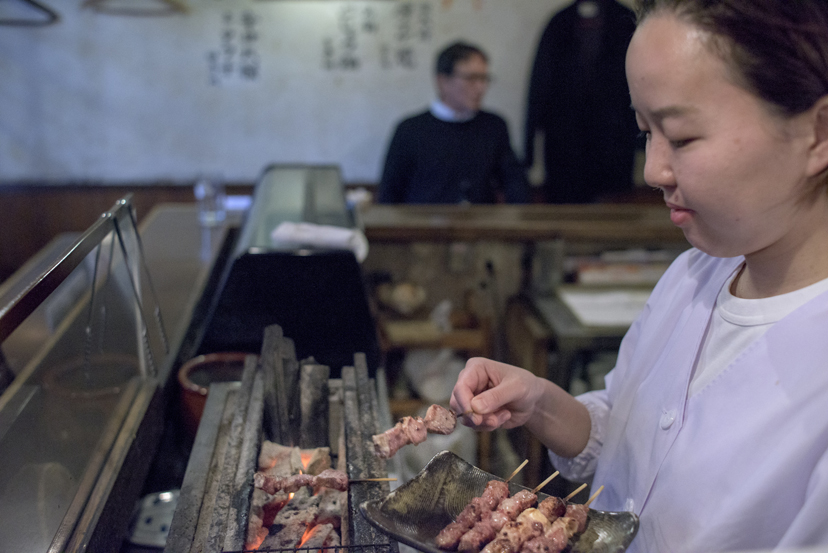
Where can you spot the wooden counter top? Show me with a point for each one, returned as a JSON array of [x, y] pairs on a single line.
[[609, 223]]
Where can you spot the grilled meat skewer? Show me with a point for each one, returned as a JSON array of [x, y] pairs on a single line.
[[493, 496], [328, 478], [413, 430]]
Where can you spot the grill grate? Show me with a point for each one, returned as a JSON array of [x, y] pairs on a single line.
[[376, 548]]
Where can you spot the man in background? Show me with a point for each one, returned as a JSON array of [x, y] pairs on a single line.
[[454, 152]]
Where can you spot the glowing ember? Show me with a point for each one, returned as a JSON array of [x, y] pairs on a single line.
[[308, 533], [257, 543], [306, 457]]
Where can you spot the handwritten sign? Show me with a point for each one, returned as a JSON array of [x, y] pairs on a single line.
[[237, 59]]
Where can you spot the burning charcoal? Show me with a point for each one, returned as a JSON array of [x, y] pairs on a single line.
[[323, 535], [331, 503], [286, 537], [302, 508], [320, 460], [263, 509], [273, 455], [292, 521], [256, 532]]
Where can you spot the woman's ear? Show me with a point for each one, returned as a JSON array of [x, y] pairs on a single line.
[[819, 149]]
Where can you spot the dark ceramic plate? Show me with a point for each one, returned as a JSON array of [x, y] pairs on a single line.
[[415, 512]]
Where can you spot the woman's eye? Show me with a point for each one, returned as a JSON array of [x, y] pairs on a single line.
[[644, 134], [680, 143]]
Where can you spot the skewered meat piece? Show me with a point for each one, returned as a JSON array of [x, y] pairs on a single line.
[[580, 513], [483, 532], [413, 430], [409, 430], [496, 492], [486, 530], [328, 478], [532, 531], [552, 508], [491, 523], [439, 420], [333, 479], [554, 539], [513, 506], [529, 524]]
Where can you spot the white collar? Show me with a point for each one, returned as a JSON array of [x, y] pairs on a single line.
[[444, 113]]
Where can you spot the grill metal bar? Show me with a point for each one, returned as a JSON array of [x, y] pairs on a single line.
[[221, 524], [248, 463], [360, 425], [193, 487]]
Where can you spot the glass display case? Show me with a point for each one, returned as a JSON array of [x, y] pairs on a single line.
[[294, 194], [82, 334]]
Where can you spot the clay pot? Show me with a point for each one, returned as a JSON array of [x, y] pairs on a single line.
[[195, 377]]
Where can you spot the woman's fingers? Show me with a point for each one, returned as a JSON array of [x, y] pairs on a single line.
[[489, 394]]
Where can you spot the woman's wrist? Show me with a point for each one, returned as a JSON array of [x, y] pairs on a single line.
[[559, 421]]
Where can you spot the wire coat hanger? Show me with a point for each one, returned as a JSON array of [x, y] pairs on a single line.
[[165, 7], [51, 16]]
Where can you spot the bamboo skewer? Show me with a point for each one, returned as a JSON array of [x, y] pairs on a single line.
[[594, 496], [573, 494], [517, 470], [545, 482], [373, 480]]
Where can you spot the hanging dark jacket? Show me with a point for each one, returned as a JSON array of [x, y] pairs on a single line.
[[578, 96]]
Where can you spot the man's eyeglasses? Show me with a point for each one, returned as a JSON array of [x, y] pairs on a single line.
[[482, 78]]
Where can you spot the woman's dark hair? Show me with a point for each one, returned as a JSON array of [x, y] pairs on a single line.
[[776, 49], [459, 51]]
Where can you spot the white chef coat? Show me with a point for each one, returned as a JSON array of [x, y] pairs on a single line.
[[742, 464]]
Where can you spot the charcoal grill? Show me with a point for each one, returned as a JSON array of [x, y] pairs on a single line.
[[214, 504]]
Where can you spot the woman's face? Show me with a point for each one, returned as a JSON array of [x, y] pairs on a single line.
[[733, 174]]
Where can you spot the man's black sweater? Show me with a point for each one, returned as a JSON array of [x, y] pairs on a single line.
[[441, 162]]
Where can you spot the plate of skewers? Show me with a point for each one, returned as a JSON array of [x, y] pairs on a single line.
[[452, 505]]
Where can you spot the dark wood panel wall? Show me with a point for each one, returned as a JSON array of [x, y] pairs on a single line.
[[31, 215]]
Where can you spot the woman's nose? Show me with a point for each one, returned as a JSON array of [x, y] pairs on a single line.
[[658, 172]]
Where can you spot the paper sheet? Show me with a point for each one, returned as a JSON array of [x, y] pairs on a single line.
[[605, 307]]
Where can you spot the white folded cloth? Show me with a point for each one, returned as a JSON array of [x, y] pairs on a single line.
[[328, 236]]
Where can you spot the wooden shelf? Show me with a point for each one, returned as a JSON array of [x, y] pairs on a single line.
[[408, 334]]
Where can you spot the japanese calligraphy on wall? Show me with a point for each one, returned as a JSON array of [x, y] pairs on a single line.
[[236, 60], [364, 34]]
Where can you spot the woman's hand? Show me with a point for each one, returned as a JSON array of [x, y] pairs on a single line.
[[491, 394]]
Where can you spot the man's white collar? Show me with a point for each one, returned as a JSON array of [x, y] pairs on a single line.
[[444, 113]]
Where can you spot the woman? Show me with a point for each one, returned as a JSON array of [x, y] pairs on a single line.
[[714, 423]]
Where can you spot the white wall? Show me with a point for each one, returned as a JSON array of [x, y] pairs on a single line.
[[105, 98]]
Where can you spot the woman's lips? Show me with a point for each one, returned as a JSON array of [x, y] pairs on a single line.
[[679, 215]]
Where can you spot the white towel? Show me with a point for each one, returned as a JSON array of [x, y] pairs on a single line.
[[328, 236]]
